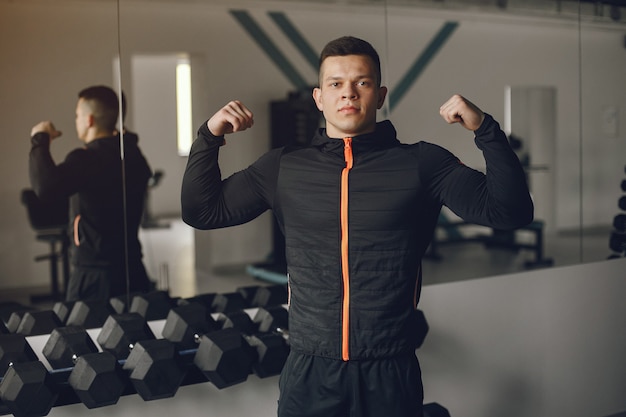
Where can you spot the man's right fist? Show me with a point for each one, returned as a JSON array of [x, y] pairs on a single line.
[[47, 127]]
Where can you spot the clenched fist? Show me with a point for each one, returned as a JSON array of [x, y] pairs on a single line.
[[460, 110]]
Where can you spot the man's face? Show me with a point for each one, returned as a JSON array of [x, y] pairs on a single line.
[[348, 95], [83, 116]]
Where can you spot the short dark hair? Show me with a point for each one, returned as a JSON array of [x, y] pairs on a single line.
[[104, 105], [349, 45]]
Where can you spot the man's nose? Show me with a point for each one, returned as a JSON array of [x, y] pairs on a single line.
[[349, 92]]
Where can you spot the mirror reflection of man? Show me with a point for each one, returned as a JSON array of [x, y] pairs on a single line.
[[102, 251]]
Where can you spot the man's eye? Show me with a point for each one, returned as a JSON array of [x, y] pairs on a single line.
[[334, 84], [362, 83]]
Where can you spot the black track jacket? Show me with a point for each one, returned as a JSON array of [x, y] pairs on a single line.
[[357, 215], [92, 176]]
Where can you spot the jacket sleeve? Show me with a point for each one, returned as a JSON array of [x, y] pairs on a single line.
[[498, 198], [51, 181], [208, 202]]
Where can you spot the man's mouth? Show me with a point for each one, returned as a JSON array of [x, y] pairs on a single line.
[[348, 109]]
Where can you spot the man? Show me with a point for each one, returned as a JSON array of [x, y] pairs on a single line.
[[101, 195], [358, 210]]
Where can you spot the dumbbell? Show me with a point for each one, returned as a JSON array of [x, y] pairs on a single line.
[[226, 350], [243, 298], [25, 388], [7, 309], [267, 332], [32, 322], [617, 242], [420, 327], [265, 295], [619, 222], [435, 410], [93, 313], [96, 378], [155, 370]]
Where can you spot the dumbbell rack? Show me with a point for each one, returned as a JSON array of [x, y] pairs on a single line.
[[58, 379], [617, 240], [245, 359], [67, 396]]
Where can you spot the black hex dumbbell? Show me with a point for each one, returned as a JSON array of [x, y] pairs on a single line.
[[267, 332], [27, 390], [228, 348], [265, 295], [96, 377], [32, 322], [154, 368], [223, 357], [435, 410]]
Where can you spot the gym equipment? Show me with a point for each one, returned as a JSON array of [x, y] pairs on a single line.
[[63, 309], [244, 297], [89, 314], [265, 295], [26, 390], [617, 239], [228, 302], [50, 220], [198, 345], [619, 222], [153, 305], [421, 328], [120, 332], [617, 242], [14, 348], [435, 410], [156, 371], [96, 377], [497, 239], [33, 322], [121, 303], [230, 347]]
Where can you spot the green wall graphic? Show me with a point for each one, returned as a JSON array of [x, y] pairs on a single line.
[[281, 20]]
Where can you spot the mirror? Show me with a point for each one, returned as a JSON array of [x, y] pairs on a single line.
[[50, 53], [602, 132], [493, 55]]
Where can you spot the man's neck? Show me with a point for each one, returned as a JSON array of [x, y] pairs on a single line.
[[98, 135]]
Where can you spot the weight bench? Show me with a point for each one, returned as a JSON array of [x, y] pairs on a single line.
[[50, 222], [505, 239]]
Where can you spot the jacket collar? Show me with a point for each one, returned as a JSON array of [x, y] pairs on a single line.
[[383, 137]]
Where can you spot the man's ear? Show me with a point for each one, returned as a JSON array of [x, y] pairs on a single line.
[[382, 93], [317, 96], [91, 120]]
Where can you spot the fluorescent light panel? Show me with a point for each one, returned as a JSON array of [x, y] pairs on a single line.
[[183, 106]]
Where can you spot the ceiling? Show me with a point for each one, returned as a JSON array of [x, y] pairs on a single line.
[[610, 10]]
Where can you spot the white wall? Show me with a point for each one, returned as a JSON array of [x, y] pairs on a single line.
[[39, 80], [549, 343]]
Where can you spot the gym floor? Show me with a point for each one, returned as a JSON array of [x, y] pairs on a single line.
[[169, 258]]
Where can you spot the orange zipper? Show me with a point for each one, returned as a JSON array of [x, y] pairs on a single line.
[[345, 274]]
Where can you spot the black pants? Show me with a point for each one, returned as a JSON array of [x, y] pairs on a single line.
[[312, 386], [103, 283]]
